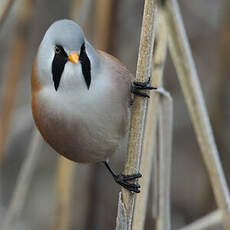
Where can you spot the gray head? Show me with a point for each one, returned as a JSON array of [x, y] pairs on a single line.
[[65, 58]]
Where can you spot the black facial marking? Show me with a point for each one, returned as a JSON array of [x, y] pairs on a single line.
[[58, 65], [85, 65]]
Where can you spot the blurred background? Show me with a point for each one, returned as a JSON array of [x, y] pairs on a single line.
[[113, 26]]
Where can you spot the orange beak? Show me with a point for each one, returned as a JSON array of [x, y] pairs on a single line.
[[73, 57]]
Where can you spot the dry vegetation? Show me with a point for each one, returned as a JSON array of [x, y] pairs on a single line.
[[40, 190]]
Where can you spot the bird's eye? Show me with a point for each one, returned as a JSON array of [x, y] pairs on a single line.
[[57, 50]]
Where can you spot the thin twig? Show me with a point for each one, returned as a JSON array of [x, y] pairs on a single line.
[[23, 182], [213, 219], [187, 74], [150, 130], [144, 67]]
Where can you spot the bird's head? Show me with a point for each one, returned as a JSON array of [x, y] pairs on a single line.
[[65, 58]]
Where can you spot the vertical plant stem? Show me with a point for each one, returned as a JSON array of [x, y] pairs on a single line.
[[220, 85], [5, 12], [165, 136], [80, 12], [150, 130], [188, 77], [144, 67], [64, 190], [16, 64], [24, 179], [103, 12]]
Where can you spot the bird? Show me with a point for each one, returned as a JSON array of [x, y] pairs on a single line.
[[82, 97]]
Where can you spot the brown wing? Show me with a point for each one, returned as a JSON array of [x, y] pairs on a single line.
[[115, 63], [122, 76], [35, 83]]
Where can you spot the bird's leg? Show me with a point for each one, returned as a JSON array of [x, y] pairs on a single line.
[[138, 86], [122, 179]]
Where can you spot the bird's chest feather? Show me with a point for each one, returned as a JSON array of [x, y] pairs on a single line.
[[81, 127]]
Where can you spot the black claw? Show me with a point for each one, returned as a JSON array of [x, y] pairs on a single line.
[[139, 93], [137, 86], [145, 87], [129, 186], [130, 177], [122, 180]]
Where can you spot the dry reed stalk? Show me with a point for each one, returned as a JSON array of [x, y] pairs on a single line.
[[5, 12], [155, 182], [23, 182], [9, 94], [16, 64], [76, 7], [188, 77], [103, 10], [150, 130], [64, 190], [220, 87], [164, 175], [121, 220], [210, 220], [144, 68], [80, 11]]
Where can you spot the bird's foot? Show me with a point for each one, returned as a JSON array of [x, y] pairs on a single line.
[[138, 86], [122, 180]]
